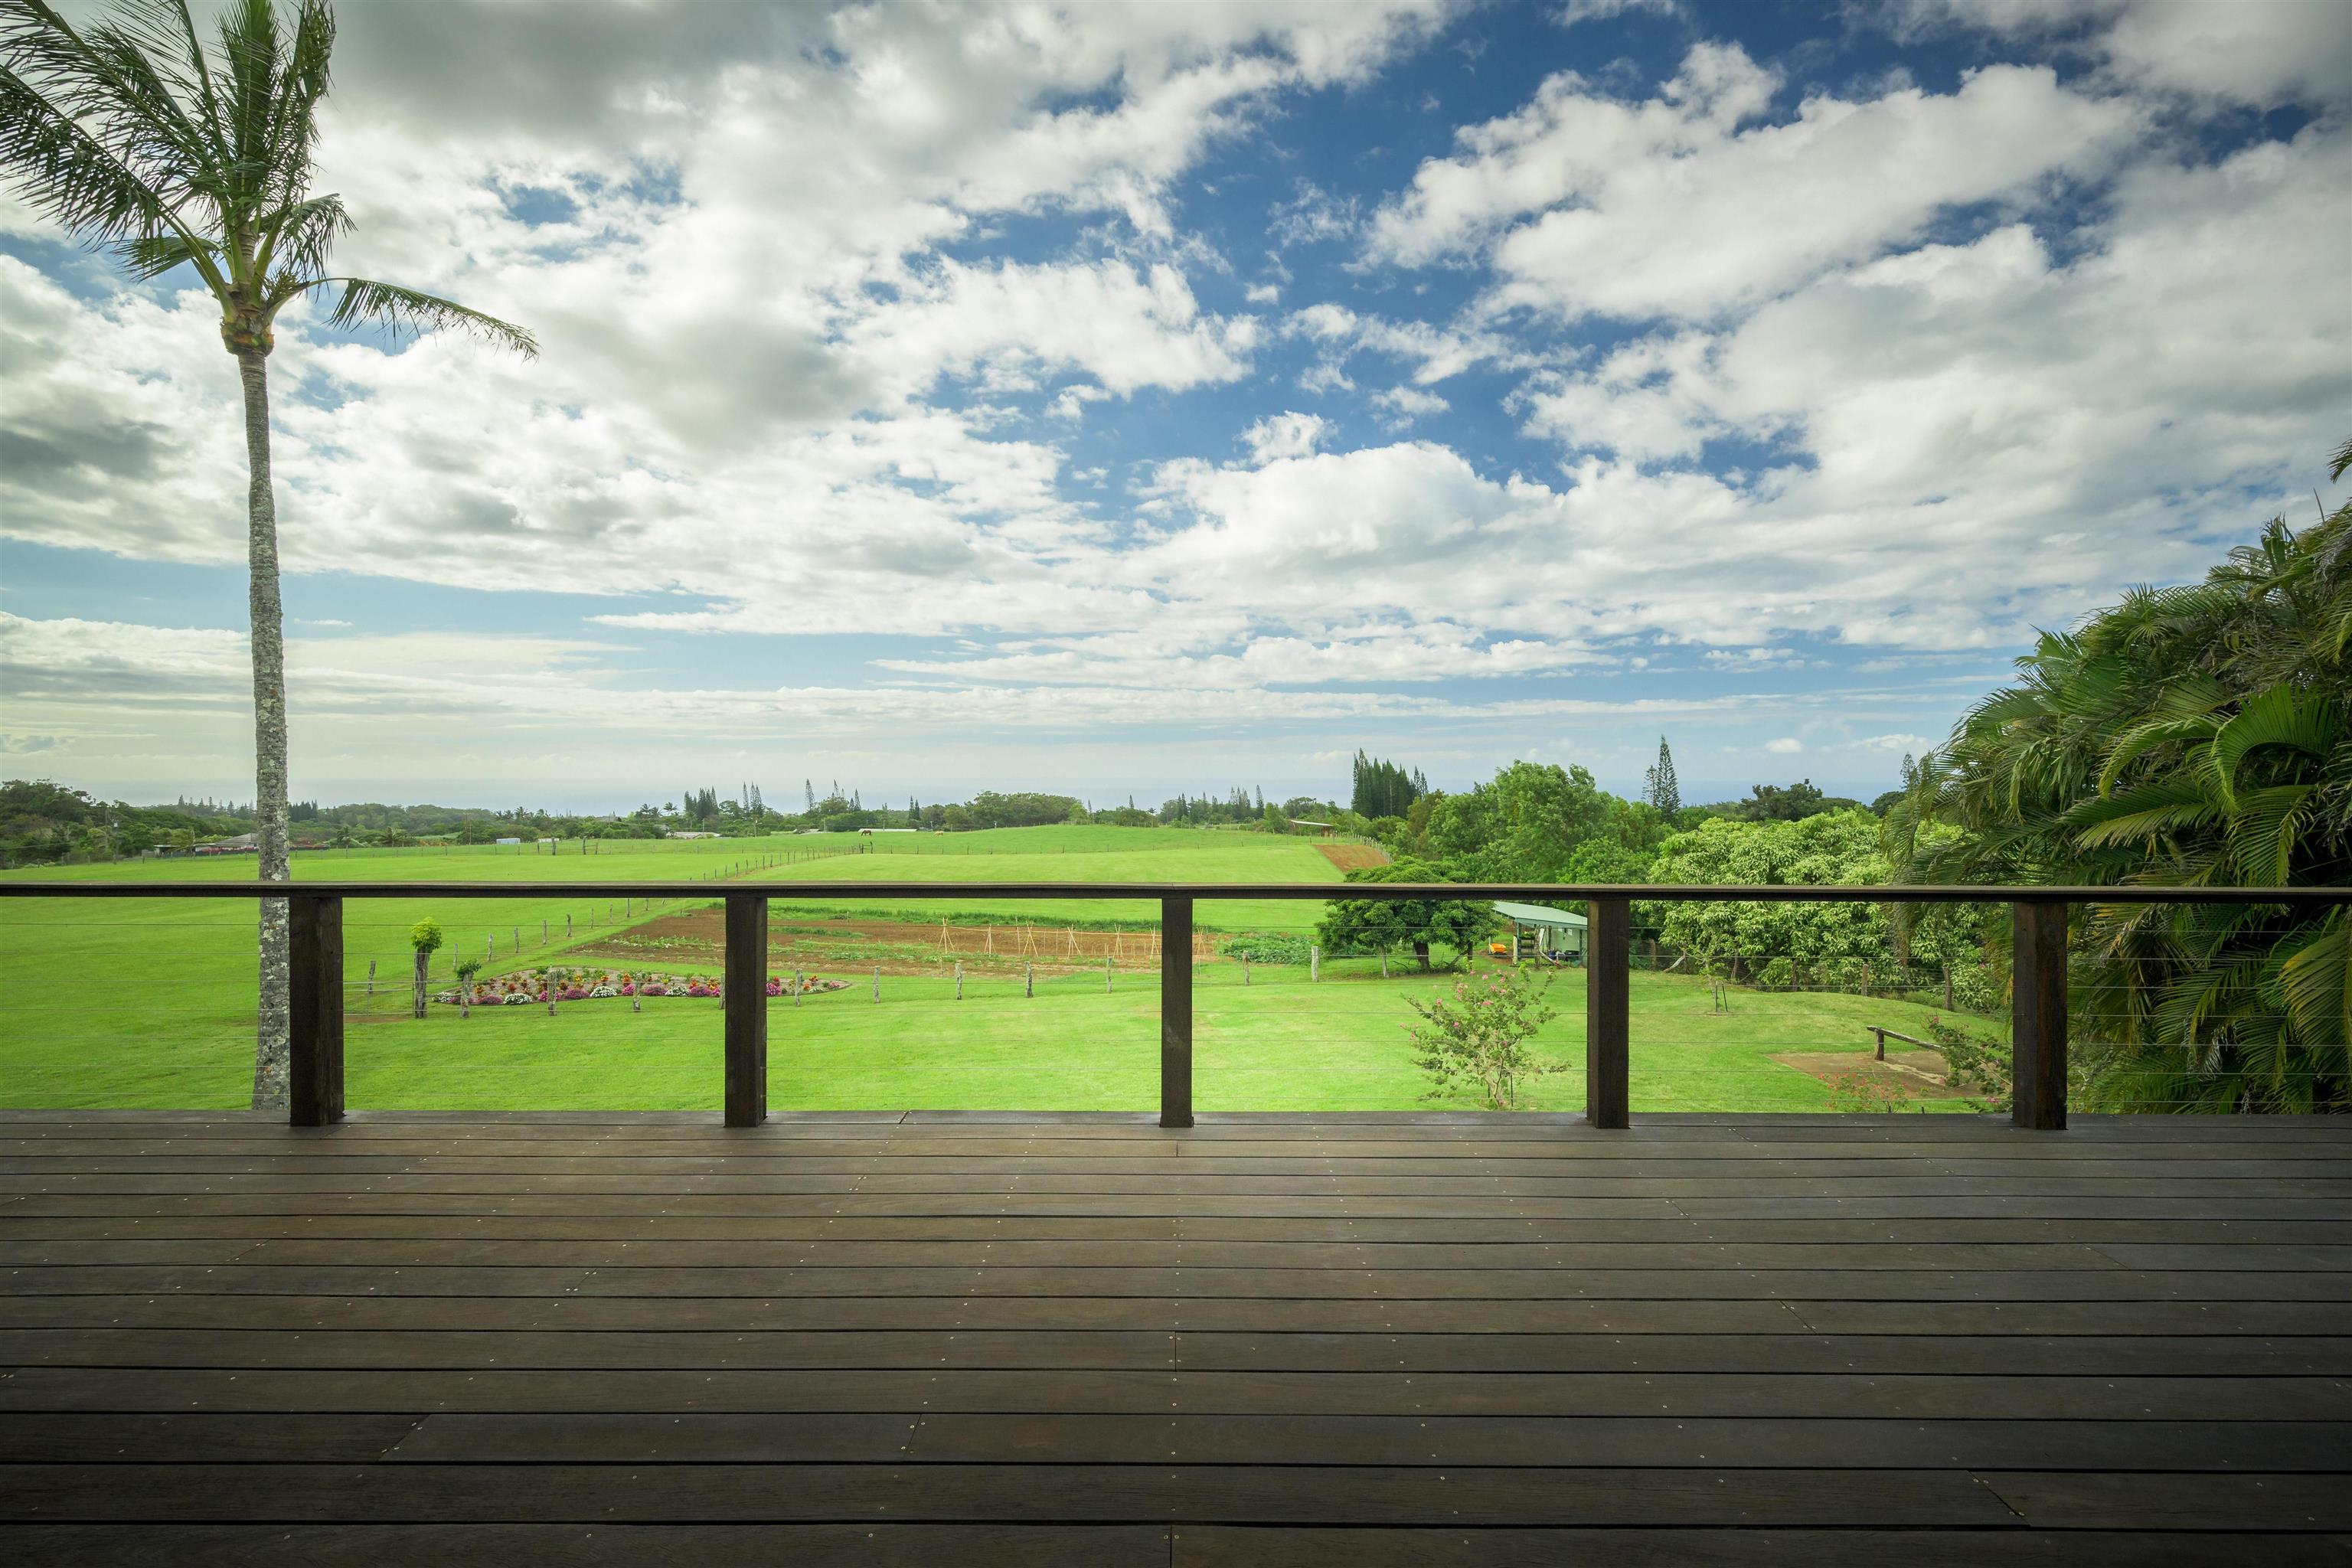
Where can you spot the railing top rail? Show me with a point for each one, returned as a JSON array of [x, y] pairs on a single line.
[[801, 891]]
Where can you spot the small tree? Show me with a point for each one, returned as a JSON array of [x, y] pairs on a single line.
[[467, 968], [1476, 1038], [424, 936], [1378, 925]]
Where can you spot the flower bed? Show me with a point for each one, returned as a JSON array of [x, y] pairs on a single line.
[[529, 985]]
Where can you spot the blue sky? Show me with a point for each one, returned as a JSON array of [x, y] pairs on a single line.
[[1128, 399]]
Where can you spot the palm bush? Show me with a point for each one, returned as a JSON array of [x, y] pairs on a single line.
[[2190, 737]]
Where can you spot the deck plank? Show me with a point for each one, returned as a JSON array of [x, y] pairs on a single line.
[[984, 1337]]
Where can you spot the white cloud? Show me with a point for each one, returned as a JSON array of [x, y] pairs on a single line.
[[1983, 425], [1282, 435], [1685, 205], [1404, 404], [1786, 746], [1572, 12], [2227, 51], [1011, 324]]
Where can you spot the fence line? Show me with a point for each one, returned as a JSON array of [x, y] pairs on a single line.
[[2039, 978]]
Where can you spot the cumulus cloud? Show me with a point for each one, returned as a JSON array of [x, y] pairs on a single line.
[[1285, 435], [2221, 52], [1615, 191], [1741, 366], [1404, 404]]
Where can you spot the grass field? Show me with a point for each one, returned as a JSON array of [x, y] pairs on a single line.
[[148, 1003]]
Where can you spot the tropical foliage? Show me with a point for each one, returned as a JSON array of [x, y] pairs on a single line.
[[1838, 849], [2189, 737]]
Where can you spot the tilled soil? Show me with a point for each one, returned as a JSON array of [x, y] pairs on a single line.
[[897, 947]]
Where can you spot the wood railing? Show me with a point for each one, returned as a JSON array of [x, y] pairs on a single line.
[[2038, 917]]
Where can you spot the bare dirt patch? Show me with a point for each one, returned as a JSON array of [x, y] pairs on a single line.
[[1353, 857], [1912, 1071], [897, 947]]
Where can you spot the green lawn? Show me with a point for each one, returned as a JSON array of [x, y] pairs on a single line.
[[148, 1002]]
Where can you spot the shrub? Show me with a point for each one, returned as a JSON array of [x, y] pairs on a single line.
[[1777, 975], [1267, 949], [1476, 1038], [424, 936], [1974, 1064], [1979, 988], [1868, 1093]]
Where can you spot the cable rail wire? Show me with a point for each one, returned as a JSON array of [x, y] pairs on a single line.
[[2038, 964]]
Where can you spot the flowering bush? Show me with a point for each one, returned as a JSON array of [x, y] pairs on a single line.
[[568, 985], [1476, 1038]]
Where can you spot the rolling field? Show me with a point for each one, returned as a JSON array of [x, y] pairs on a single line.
[[148, 1003]]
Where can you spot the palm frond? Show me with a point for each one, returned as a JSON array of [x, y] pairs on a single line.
[[2280, 715], [297, 240], [399, 311]]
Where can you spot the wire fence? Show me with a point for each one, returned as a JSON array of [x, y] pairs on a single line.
[[2195, 1011]]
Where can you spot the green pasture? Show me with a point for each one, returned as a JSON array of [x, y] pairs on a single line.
[[1278, 1044], [148, 1003]]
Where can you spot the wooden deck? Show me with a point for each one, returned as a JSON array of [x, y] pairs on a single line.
[[986, 1338]]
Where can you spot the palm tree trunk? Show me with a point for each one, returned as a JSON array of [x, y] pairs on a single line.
[[270, 1049]]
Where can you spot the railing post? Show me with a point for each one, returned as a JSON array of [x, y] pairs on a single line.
[[314, 1058], [1608, 1070], [1175, 1012], [2038, 1016], [744, 1001]]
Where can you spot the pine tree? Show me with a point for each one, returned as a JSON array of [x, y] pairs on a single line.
[[1659, 787]]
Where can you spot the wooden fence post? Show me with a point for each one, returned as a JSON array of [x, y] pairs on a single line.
[[744, 1003], [1607, 1014], [1175, 1012], [2038, 1016], [314, 1066]]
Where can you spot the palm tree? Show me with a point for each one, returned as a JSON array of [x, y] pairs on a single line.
[[130, 135]]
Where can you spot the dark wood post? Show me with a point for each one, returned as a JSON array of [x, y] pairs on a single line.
[[1608, 1016], [314, 1063], [745, 1004], [1175, 1012], [2038, 1016]]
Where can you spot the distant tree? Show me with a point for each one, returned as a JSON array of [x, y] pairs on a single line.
[[1659, 786], [1383, 789], [1780, 803], [1379, 925], [1274, 822], [130, 135]]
